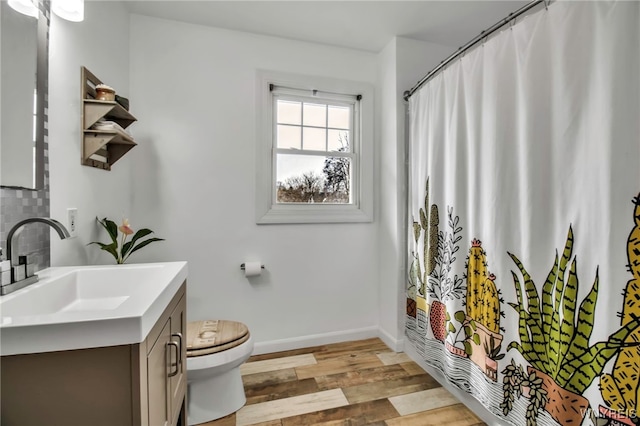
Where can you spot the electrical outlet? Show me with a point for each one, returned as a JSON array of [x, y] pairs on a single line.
[[72, 219]]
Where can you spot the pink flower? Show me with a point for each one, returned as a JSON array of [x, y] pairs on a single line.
[[125, 228]]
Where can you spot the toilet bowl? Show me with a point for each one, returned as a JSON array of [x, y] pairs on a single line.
[[215, 351]]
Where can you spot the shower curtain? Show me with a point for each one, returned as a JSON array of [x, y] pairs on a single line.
[[524, 201]]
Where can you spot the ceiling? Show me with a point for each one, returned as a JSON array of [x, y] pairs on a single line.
[[357, 24]]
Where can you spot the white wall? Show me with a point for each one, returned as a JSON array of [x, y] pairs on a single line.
[[193, 91], [400, 65], [191, 178], [100, 43]]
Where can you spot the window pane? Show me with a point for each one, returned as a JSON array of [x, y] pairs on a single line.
[[339, 141], [289, 137], [312, 179], [339, 117], [337, 172], [289, 112], [315, 115], [314, 139]]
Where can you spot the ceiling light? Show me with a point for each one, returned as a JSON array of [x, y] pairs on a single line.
[[71, 10], [26, 7]]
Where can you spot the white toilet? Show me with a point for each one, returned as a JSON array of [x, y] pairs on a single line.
[[215, 351]]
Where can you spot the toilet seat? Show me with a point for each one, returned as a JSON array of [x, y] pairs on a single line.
[[212, 336]]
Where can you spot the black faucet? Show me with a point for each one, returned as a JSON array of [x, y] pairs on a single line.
[[12, 249]]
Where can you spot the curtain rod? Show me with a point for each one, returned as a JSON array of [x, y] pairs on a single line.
[[483, 35]]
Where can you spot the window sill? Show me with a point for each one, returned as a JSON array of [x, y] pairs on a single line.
[[292, 214]]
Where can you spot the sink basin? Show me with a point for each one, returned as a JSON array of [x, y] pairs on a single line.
[[84, 307]]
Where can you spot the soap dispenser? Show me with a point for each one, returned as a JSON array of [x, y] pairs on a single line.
[[5, 269]]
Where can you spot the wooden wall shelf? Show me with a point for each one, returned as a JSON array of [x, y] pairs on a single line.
[[102, 148]]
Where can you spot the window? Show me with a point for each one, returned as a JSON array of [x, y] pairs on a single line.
[[314, 151], [313, 155]]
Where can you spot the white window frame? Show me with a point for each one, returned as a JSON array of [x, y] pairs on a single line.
[[361, 208]]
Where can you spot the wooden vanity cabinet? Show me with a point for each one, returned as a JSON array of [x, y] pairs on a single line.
[[166, 358], [138, 384]]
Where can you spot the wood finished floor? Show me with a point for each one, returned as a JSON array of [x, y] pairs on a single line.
[[352, 383]]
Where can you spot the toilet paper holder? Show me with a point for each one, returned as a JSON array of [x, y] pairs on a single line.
[[242, 266]]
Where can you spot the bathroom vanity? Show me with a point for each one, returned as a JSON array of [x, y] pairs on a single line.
[[96, 346]]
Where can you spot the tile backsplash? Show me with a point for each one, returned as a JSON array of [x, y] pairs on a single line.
[[18, 204]]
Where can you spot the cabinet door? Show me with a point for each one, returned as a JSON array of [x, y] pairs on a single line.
[[157, 370], [178, 381]]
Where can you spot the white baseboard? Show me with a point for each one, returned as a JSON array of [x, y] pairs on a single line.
[[471, 403], [394, 344], [316, 340]]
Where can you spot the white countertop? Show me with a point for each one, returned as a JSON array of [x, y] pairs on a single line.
[[88, 306]]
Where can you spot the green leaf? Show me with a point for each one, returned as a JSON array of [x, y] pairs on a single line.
[[447, 316], [468, 331], [424, 222], [584, 327], [516, 283], [452, 328], [417, 229], [554, 342], [110, 248], [111, 227], [468, 349], [533, 300], [515, 306], [566, 254], [411, 278], [555, 339], [620, 335], [476, 338], [129, 245], [547, 299], [569, 301], [460, 316], [143, 244], [585, 368], [422, 287], [530, 324]]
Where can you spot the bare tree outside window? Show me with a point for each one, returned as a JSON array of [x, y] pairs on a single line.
[[337, 171], [332, 186], [305, 188]]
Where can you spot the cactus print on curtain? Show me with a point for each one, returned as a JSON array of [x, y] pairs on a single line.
[[523, 284]]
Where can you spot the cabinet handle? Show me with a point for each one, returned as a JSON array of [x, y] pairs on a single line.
[[175, 345], [179, 336]]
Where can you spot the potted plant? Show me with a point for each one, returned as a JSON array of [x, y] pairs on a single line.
[[453, 339], [492, 349], [122, 249], [557, 347], [440, 285], [425, 233], [517, 383], [482, 306], [621, 389]]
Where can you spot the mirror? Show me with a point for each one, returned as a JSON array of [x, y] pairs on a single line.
[[23, 85]]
